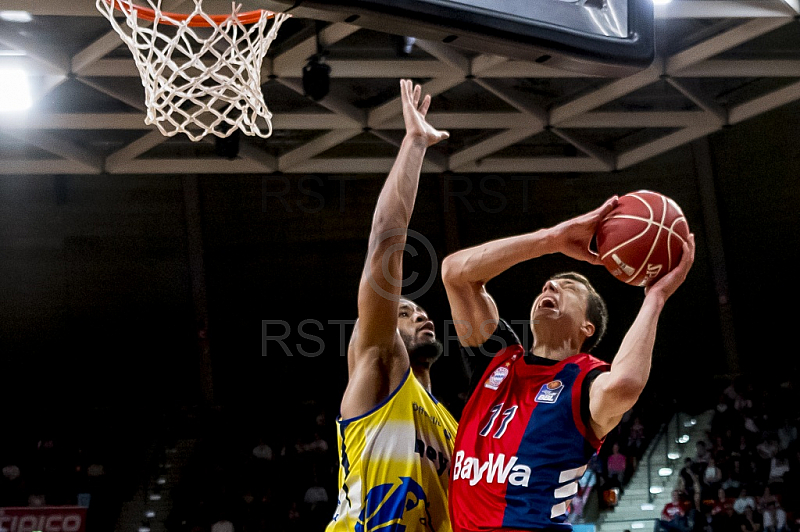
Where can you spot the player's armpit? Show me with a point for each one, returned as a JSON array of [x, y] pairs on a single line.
[[609, 399]]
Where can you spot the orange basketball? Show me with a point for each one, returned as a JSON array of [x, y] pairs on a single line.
[[641, 240]]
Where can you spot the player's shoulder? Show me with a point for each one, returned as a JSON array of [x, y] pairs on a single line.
[[588, 361]]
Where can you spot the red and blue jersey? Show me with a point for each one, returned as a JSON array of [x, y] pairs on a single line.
[[523, 442]]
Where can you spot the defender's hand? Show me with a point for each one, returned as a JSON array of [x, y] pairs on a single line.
[[414, 112]]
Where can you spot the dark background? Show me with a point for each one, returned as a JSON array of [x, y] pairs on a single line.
[[98, 306]]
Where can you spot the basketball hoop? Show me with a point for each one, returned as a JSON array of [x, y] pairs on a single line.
[[201, 73]]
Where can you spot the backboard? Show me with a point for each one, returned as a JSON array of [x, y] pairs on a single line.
[[608, 37]]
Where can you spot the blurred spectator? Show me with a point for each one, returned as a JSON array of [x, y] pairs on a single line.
[[774, 518], [14, 490], [778, 467], [766, 497], [636, 441], [712, 478], [731, 481], [701, 454], [616, 466], [294, 521], [316, 445], [223, 525], [724, 518], [768, 448], [689, 483], [750, 520], [674, 516], [722, 504], [262, 451], [787, 433], [586, 485], [744, 501]]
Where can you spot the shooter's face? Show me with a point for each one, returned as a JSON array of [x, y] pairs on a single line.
[[415, 327], [562, 301]]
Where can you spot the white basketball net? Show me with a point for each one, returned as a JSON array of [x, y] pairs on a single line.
[[199, 80]]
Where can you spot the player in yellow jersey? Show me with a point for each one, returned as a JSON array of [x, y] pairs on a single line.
[[395, 439]]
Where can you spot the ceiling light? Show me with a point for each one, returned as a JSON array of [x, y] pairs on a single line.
[[673, 455], [661, 2], [665, 471], [655, 490], [15, 16], [15, 93], [637, 525], [683, 439], [648, 507]]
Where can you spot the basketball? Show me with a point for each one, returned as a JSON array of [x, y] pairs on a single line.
[[641, 240]]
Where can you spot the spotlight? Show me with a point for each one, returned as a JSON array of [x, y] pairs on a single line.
[[15, 93], [15, 16], [316, 78]]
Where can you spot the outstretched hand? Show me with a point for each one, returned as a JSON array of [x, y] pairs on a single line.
[[415, 108], [667, 285], [575, 235]]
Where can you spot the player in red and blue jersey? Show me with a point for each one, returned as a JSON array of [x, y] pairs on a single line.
[[535, 417]]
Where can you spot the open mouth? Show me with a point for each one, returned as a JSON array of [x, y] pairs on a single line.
[[548, 302]]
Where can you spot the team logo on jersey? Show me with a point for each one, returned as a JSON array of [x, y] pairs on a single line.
[[394, 507], [549, 392], [497, 376]]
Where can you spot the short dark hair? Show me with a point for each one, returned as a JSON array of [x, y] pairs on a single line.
[[596, 310]]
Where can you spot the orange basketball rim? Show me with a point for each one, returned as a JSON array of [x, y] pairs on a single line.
[[194, 21]]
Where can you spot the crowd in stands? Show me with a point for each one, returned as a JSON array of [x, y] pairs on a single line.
[[745, 477], [252, 477], [249, 474], [75, 461], [611, 469], [285, 481]]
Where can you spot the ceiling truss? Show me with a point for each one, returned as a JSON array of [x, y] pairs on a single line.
[[595, 122]]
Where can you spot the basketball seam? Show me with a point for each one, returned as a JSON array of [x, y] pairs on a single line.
[[650, 222], [658, 234], [647, 228]]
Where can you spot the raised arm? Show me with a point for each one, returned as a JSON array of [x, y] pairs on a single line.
[[465, 273], [615, 392], [377, 358]]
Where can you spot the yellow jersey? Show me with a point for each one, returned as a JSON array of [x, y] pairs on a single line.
[[394, 465]]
